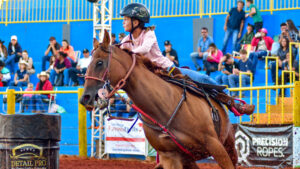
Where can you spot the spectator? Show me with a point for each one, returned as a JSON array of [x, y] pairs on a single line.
[[53, 47], [211, 61], [21, 76], [121, 36], [244, 65], [113, 39], [286, 78], [14, 53], [282, 59], [81, 67], [60, 70], [4, 74], [203, 45], [51, 65], [26, 102], [255, 14], [69, 50], [293, 31], [170, 53], [43, 85], [226, 65], [3, 51], [277, 39], [234, 25], [30, 68], [263, 45], [247, 38]]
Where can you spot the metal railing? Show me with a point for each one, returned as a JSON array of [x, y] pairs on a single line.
[[267, 102], [82, 128], [24, 11]]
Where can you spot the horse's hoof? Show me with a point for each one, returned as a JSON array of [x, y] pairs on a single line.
[[158, 166]]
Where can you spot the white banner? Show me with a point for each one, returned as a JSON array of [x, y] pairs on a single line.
[[118, 141], [296, 149]]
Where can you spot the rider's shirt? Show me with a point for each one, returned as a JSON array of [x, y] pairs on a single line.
[[146, 44]]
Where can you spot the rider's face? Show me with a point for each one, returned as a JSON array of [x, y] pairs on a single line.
[[127, 24]]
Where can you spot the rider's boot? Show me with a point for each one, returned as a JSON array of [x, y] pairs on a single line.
[[237, 108]]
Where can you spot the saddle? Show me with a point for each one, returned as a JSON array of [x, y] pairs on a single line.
[[207, 91]]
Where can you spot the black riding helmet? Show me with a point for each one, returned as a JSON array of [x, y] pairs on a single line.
[[136, 11]]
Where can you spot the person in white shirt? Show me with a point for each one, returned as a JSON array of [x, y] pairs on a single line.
[[79, 71]]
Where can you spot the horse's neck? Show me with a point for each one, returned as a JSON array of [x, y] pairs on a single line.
[[150, 93]]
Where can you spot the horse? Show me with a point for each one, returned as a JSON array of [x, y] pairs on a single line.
[[192, 126]]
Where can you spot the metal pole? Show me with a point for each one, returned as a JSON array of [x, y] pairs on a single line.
[[82, 133], [296, 110], [11, 101]]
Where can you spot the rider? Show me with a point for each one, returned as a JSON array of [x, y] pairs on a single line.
[[143, 41]]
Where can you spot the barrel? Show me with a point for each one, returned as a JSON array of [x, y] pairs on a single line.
[[30, 141]]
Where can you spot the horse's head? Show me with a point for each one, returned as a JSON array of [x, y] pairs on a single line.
[[108, 67]]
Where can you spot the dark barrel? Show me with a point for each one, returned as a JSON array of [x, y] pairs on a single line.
[[29, 141]]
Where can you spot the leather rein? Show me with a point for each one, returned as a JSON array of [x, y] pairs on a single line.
[[122, 82], [105, 76]]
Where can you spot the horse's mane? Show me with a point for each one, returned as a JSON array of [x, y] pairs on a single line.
[[155, 68]]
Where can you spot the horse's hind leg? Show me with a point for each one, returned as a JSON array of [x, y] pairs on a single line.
[[217, 150], [230, 147]]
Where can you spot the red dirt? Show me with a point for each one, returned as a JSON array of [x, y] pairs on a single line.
[[72, 162]]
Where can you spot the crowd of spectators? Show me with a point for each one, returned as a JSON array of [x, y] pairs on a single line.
[[247, 49]]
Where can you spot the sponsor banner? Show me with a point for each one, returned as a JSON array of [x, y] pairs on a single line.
[[118, 141], [296, 149], [265, 146]]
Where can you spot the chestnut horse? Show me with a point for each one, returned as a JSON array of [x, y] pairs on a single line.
[[193, 125]]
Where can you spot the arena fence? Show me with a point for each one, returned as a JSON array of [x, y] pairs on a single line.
[[82, 128], [37, 11], [286, 113]]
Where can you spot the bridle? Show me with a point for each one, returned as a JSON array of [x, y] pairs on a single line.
[[105, 76]]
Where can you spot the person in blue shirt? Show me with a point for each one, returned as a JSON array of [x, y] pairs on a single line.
[[226, 66], [244, 65], [14, 54], [203, 46], [234, 25], [21, 76]]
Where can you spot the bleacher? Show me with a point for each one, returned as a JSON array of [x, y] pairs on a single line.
[[179, 30]]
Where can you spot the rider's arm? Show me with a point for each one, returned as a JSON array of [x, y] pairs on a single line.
[[147, 44]]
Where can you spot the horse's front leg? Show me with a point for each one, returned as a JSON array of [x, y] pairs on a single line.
[[170, 160]]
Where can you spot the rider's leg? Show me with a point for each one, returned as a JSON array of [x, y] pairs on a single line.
[[198, 77]]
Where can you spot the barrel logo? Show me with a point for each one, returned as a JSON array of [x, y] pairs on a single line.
[[28, 156]]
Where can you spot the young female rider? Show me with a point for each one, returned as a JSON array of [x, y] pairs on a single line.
[[144, 42]]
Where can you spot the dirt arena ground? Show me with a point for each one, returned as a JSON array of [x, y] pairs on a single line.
[[71, 162]]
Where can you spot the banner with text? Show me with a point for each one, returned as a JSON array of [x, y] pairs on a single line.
[[118, 141], [265, 146]]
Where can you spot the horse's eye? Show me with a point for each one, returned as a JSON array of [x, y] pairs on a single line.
[[99, 63]]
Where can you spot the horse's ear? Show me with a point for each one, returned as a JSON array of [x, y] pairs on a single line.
[[106, 39]]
